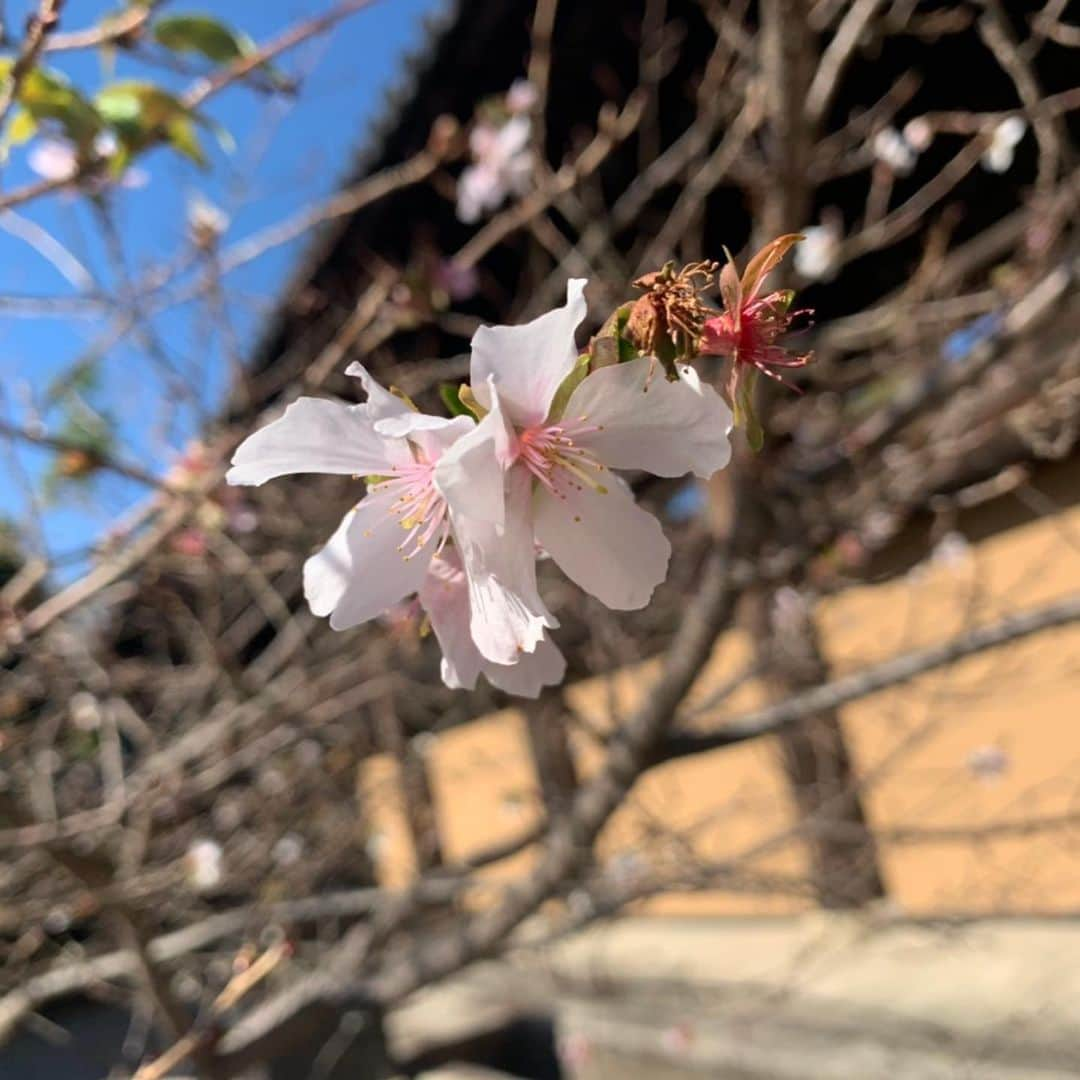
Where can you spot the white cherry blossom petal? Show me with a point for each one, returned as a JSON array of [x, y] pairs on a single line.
[[380, 403], [528, 362], [507, 615], [327, 572], [546, 666], [444, 595], [362, 571], [361, 562], [314, 436], [471, 473], [604, 542], [632, 418]]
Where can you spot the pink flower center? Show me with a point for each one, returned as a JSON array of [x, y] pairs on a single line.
[[417, 505], [552, 455]]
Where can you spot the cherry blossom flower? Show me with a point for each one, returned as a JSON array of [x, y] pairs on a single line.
[[559, 488], [502, 165], [998, 156], [382, 551], [444, 596]]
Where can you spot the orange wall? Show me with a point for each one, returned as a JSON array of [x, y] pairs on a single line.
[[911, 744]]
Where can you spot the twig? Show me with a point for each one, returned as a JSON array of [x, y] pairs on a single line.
[[873, 680], [539, 69], [837, 56], [97, 460], [114, 28], [289, 39]]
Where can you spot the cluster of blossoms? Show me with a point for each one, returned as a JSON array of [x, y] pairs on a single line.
[[899, 150], [459, 509]]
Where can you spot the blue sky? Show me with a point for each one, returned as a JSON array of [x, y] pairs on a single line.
[[289, 151]]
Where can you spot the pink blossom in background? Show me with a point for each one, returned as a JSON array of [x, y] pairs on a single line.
[[503, 165], [521, 97], [457, 281]]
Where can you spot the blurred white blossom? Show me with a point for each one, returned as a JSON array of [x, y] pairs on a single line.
[[288, 850], [919, 134], [203, 863], [58, 160], [521, 96], [988, 762], [502, 166], [951, 551], [892, 149], [85, 711], [998, 156], [206, 222], [815, 257]]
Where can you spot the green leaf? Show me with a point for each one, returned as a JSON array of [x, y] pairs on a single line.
[[184, 139], [568, 386], [451, 398], [745, 416], [610, 345], [23, 128], [207, 36], [82, 378], [204, 35], [144, 115], [45, 94]]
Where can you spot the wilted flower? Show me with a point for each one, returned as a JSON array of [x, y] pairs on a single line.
[[558, 449], [667, 322], [998, 156], [748, 329], [426, 476], [502, 165], [893, 150]]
